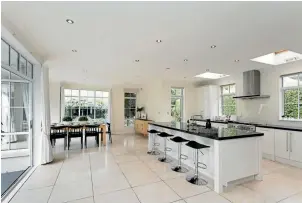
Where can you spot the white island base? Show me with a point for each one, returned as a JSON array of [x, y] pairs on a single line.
[[227, 160]]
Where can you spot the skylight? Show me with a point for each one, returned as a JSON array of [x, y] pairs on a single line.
[[210, 75], [279, 57]]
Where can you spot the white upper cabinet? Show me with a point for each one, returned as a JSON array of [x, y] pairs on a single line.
[[208, 101], [295, 146]]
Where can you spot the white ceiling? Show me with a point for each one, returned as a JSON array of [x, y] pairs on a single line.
[[109, 36]]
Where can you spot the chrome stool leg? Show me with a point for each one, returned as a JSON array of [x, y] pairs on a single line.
[[195, 178], [166, 149], [154, 150], [179, 168]]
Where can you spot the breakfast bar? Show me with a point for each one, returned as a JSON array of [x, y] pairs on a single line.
[[232, 155]]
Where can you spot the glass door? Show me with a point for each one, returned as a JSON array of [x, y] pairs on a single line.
[[16, 119]]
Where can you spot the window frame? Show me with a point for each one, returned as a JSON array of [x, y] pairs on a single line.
[[181, 97], [221, 106], [282, 96], [134, 98], [79, 100]]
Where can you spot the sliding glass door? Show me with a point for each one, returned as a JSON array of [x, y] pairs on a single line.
[[16, 119]]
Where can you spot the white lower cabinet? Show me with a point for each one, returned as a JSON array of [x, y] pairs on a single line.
[[288, 145], [281, 144], [295, 146], [268, 144]]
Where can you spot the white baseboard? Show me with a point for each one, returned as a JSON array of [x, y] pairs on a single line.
[[289, 162]]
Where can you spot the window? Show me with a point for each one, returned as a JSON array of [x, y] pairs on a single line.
[[13, 59], [177, 104], [130, 108], [292, 96], [93, 104], [4, 53], [228, 104]]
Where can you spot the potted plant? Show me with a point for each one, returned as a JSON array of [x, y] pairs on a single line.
[[83, 120], [67, 120], [139, 110]]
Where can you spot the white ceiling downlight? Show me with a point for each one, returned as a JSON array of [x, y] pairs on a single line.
[[137, 60], [213, 46], [186, 60], [278, 57], [158, 40], [69, 21], [74, 50], [236, 60], [210, 75]]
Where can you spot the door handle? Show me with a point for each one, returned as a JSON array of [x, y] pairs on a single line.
[[287, 141], [291, 144]]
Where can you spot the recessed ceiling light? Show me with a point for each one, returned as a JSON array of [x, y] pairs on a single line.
[[278, 57], [213, 46], [237, 60], [167, 68], [69, 21], [210, 75], [158, 41], [74, 50], [136, 60], [185, 60], [185, 77]]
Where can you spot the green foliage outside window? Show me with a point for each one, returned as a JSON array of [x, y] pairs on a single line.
[[176, 103], [291, 104], [228, 102]]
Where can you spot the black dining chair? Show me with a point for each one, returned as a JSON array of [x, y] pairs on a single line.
[[93, 131], [109, 132], [58, 132], [75, 131]]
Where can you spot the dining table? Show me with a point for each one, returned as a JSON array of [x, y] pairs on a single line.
[[102, 126]]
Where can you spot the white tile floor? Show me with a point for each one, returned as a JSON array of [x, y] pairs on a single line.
[[123, 172]]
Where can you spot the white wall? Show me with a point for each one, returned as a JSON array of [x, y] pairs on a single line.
[[54, 96], [247, 110]]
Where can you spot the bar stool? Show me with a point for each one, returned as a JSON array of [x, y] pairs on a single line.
[[195, 178], [179, 168], [154, 151], [165, 136]]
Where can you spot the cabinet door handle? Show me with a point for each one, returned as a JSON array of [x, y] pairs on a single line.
[[291, 143], [287, 141]]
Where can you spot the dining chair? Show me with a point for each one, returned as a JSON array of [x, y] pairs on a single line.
[[109, 132], [58, 132], [75, 131], [93, 131]]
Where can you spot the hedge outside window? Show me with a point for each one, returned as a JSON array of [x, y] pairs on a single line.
[[93, 104], [177, 104], [228, 103], [292, 96]]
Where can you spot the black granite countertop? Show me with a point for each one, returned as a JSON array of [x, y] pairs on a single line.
[[280, 127], [213, 133]]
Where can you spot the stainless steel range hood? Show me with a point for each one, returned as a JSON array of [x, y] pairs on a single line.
[[251, 86]]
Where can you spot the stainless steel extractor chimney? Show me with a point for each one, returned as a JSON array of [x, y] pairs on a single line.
[[251, 85]]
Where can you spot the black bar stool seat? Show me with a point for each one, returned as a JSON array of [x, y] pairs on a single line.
[[154, 150], [195, 178], [196, 145], [165, 135], [179, 140]]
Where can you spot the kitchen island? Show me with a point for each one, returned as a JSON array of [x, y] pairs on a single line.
[[233, 154]]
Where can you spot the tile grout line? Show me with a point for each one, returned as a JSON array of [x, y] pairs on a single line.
[[56, 181], [128, 182], [290, 196], [91, 178]]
